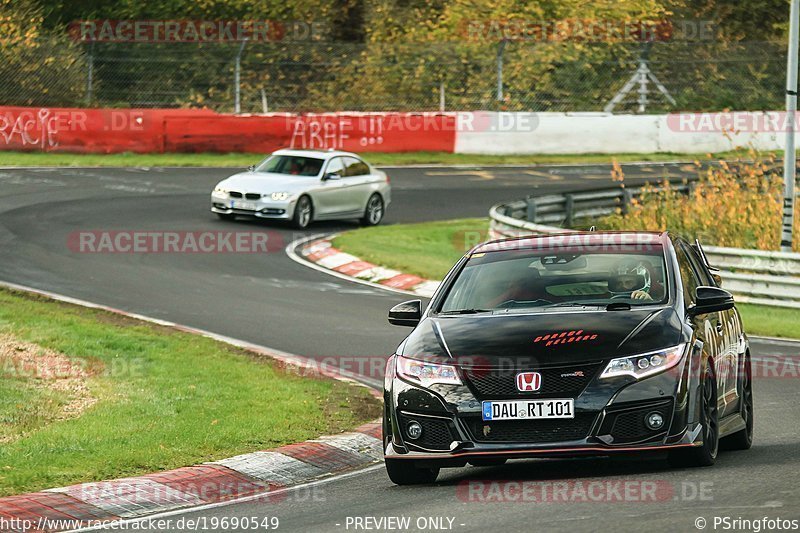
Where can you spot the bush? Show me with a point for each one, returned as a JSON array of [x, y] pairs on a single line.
[[37, 68], [736, 204]]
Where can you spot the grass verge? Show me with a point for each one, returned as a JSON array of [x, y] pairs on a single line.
[[59, 159], [770, 321], [429, 250], [160, 399]]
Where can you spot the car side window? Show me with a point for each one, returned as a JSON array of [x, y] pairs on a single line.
[[699, 267], [336, 166], [688, 275], [355, 167]]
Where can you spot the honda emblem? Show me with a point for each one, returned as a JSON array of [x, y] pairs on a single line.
[[529, 381]]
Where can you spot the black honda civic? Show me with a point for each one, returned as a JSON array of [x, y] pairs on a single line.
[[593, 343]]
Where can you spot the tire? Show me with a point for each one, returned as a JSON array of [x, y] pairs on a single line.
[[405, 472], [487, 462], [705, 455], [743, 439], [225, 216], [303, 213], [374, 211]]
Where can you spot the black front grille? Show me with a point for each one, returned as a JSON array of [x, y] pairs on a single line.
[[252, 196], [436, 433], [235, 194], [531, 431], [562, 381], [628, 425]]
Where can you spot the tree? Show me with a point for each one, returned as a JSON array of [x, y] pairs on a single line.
[[37, 67]]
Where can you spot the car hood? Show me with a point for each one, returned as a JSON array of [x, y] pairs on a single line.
[[547, 337], [266, 182]]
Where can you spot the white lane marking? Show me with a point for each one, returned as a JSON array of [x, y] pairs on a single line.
[[535, 165], [773, 340], [116, 524], [289, 358]]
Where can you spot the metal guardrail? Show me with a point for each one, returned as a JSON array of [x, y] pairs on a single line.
[[568, 207], [753, 276]]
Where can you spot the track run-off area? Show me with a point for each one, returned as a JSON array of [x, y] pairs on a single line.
[[269, 300]]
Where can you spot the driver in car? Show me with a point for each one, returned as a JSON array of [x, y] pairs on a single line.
[[630, 276]]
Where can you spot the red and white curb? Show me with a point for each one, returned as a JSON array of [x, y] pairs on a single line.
[[258, 475], [318, 252], [261, 475]]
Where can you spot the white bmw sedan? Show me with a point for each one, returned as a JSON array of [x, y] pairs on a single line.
[[303, 186]]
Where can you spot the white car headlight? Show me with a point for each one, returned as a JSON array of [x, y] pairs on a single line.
[[646, 364], [280, 196], [220, 190], [426, 373]]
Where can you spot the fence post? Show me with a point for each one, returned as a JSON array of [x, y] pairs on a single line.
[[643, 71], [237, 105], [90, 76], [569, 208], [627, 199], [500, 49], [530, 209], [264, 106], [441, 96]]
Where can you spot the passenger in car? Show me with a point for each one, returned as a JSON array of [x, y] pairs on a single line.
[[525, 287]]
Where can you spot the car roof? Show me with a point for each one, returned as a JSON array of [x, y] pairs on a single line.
[[321, 154], [576, 238]]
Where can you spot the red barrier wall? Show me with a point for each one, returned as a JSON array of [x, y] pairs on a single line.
[[190, 130]]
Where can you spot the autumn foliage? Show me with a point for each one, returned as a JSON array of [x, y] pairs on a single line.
[[734, 203]]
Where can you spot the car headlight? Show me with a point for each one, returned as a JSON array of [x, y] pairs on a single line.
[[220, 190], [426, 373], [280, 196], [646, 364]]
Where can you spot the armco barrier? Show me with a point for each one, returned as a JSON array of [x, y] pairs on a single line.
[[196, 130], [753, 276]]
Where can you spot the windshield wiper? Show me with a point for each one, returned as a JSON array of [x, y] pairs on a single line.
[[466, 312], [575, 304]]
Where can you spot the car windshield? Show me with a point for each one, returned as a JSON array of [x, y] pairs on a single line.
[[291, 164], [502, 281]]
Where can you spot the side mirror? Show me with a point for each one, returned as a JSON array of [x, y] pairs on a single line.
[[711, 300], [406, 314], [330, 176], [251, 168]]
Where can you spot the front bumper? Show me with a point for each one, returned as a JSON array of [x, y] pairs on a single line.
[[609, 417], [262, 208]]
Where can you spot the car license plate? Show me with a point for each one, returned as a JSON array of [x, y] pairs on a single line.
[[249, 206], [528, 409]]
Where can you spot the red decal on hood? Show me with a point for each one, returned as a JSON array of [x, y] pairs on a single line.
[[565, 337]]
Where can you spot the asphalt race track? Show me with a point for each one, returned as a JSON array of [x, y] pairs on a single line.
[[268, 299]]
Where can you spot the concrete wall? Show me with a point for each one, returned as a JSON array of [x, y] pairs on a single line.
[[189, 130], [576, 133], [194, 130]]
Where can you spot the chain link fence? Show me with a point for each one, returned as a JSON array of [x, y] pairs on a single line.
[[320, 76]]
